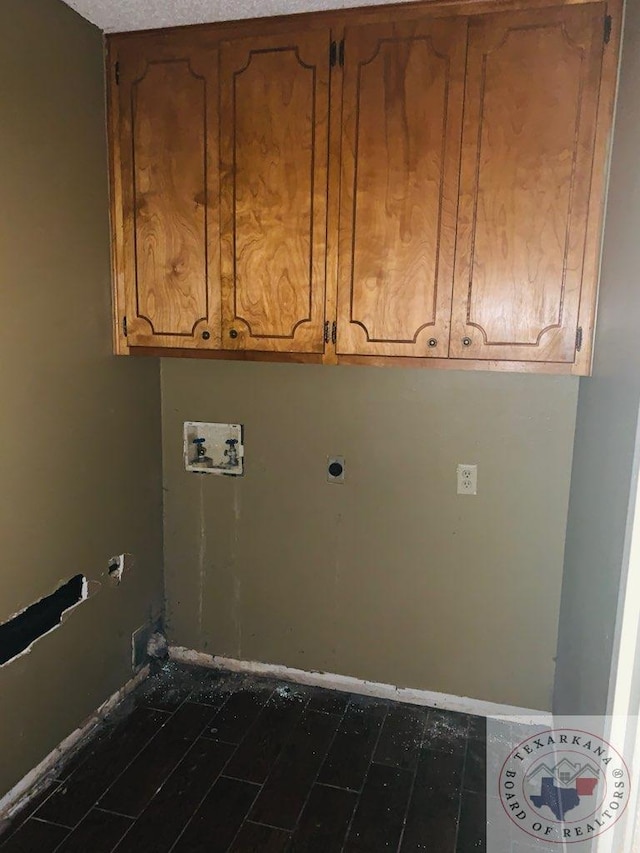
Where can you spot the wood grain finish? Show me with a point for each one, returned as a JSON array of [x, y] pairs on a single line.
[[274, 146], [528, 141], [402, 114], [441, 195], [168, 119]]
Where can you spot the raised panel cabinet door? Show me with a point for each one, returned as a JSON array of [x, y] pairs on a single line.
[[528, 142], [169, 162], [274, 93], [402, 118]]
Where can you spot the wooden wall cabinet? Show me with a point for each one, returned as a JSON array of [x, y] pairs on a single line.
[[401, 118], [528, 147], [166, 211], [407, 184], [274, 96]]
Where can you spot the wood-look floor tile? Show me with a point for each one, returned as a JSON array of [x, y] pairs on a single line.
[[71, 802], [348, 760], [98, 832], [166, 689], [475, 767], [285, 792], [477, 727], [472, 832], [254, 838], [219, 817], [215, 687], [272, 729], [379, 818], [203, 760], [131, 792], [324, 821], [174, 804], [401, 737], [35, 836], [238, 714], [175, 683], [327, 701], [432, 818], [446, 731]]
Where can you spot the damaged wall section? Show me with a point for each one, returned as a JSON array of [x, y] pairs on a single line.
[[19, 633]]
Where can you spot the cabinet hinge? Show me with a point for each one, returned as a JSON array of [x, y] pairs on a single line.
[[579, 338], [117, 73], [326, 331], [608, 23], [334, 332], [124, 326], [341, 54], [333, 53]]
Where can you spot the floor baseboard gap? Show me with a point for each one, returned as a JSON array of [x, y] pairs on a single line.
[[33, 783], [349, 684]]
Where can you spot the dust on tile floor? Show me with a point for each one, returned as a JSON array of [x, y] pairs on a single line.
[[201, 760]]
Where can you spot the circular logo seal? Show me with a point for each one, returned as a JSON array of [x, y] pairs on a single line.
[[563, 786]]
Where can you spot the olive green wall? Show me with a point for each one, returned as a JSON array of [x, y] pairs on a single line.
[[80, 472], [392, 576], [606, 437]]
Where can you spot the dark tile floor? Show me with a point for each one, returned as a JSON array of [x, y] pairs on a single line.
[[199, 760]]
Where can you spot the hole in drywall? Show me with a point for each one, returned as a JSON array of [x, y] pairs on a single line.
[[19, 633]]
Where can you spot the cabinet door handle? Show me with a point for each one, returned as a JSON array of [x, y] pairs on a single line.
[[233, 333], [466, 342], [433, 342]]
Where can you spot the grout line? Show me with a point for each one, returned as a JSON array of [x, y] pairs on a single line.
[[191, 742], [460, 791], [51, 822], [268, 825], [129, 829], [413, 783], [270, 771], [142, 748], [240, 779], [366, 776], [336, 787], [217, 740], [220, 774], [315, 781], [159, 710], [245, 819], [111, 811]]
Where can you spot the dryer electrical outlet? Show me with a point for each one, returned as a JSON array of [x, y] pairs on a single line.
[[213, 448]]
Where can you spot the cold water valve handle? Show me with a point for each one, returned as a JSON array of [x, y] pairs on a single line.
[[231, 452]]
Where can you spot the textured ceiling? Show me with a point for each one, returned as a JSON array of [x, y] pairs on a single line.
[[114, 16]]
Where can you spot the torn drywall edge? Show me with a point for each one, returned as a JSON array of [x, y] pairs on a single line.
[[62, 616], [349, 684], [31, 784]]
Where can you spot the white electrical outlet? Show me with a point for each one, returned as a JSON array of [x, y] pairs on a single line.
[[467, 479]]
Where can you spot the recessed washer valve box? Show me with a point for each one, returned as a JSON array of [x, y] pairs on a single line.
[[214, 448]]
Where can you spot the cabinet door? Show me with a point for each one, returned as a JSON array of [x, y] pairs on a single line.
[[273, 203], [168, 165], [402, 116], [527, 152]]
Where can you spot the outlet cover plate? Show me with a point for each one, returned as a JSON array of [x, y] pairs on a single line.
[[467, 479]]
